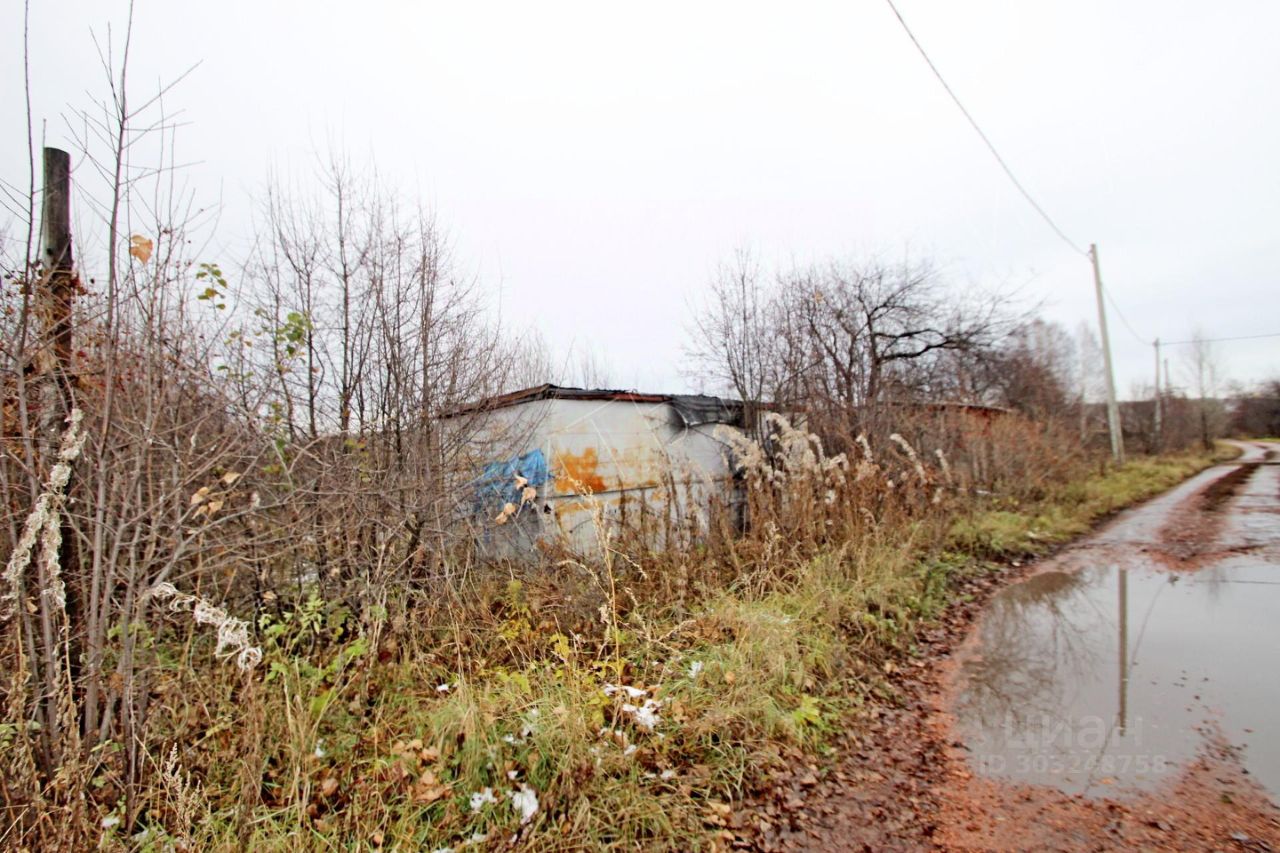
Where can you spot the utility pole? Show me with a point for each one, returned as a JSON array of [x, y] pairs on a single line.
[[1123, 643], [1113, 410], [1158, 443]]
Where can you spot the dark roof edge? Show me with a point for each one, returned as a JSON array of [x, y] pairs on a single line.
[[555, 392]]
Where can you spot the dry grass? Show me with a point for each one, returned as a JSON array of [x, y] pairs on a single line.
[[585, 705]]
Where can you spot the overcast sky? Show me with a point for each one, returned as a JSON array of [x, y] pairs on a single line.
[[594, 163]]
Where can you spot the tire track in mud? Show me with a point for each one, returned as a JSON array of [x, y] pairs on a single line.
[[1190, 538]]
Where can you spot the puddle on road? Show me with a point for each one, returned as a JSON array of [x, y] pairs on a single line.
[[1046, 698]]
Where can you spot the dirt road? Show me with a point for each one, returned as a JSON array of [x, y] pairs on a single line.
[[1122, 694]]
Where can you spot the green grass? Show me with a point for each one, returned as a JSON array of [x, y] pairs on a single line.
[[1072, 509]]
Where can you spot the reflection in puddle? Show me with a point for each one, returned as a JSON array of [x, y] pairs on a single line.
[[1048, 698]]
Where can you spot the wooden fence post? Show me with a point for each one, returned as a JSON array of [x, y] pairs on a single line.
[[59, 276]]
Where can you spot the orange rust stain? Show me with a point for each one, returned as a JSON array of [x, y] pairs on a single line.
[[579, 473]]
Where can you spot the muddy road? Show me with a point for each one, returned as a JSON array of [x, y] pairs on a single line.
[[1122, 694]]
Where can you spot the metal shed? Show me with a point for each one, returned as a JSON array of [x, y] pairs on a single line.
[[576, 467]]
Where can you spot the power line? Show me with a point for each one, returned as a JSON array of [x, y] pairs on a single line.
[[1027, 195], [990, 146], [1123, 319], [1217, 340], [1113, 411]]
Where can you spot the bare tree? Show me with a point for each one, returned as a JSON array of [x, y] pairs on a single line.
[[1090, 384], [841, 341], [732, 334], [858, 339], [587, 367], [1034, 369], [1257, 411], [1203, 372], [249, 434]]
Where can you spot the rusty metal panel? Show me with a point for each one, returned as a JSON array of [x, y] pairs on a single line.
[[610, 463]]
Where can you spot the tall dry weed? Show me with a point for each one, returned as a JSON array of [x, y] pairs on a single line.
[[44, 524]]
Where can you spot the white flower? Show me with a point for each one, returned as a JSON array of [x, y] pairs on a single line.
[[482, 798], [525, 802]]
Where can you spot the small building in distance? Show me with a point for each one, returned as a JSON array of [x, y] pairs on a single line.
[[574, 467]]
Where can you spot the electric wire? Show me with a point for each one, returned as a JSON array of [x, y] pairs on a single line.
[[1123, 319], [986, 140], [1031, 200]]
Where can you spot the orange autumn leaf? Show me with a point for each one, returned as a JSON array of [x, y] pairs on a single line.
[[140, 247]]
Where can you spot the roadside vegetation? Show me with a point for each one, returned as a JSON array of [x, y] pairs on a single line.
[[621, 699], [597, 706]]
